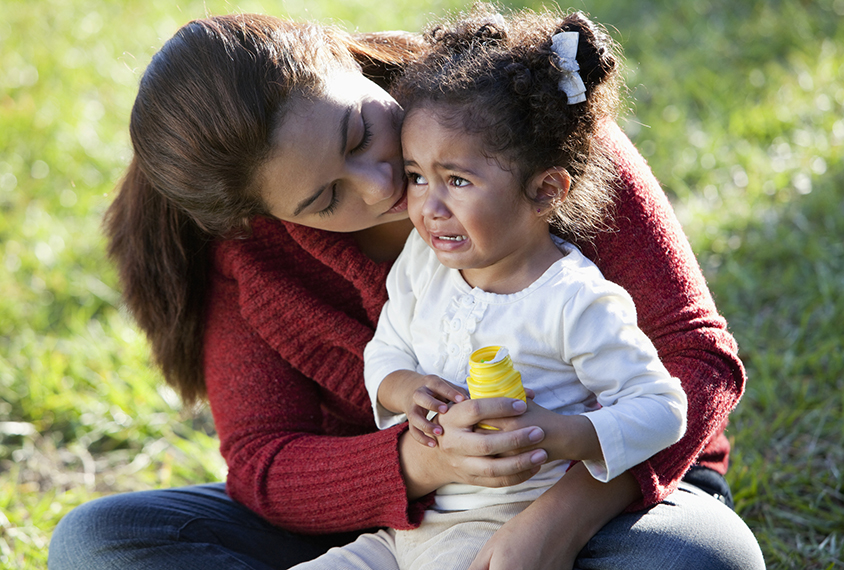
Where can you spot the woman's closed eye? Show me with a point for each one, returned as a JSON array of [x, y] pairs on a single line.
[[365, 140], [332, 205]]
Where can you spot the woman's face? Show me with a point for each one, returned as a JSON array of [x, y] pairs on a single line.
[[337, 161]]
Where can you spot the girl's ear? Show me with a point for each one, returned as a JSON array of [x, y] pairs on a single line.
[[549, 188]]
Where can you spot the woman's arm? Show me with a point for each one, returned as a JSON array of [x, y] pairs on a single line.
[[273, 436]]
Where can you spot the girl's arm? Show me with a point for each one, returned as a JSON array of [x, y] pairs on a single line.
[[650, 257], [415, 395]]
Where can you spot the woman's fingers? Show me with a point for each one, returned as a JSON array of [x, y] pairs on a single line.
[[488, 458], [485, 443], [474, 411], [504, 471], [494, 443]]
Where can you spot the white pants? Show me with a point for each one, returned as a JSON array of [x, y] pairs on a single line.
[[444, 541]]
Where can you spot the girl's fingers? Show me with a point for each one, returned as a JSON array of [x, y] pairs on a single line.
[[455, 393], [422, 438], [442, 390], [428, 401], [423, 430]]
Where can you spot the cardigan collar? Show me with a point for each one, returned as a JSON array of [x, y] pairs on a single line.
[[339, 252]]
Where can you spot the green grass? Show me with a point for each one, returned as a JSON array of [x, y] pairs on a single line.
[[737, 106]]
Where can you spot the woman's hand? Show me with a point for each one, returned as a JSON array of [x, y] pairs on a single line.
[[485, 458]]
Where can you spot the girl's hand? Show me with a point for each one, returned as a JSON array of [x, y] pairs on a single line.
[[567, 436], [415, 395], [526, 542], [485, 458], [432, 394], [552, 530]]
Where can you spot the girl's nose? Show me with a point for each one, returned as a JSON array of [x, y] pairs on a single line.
[[433, 206]]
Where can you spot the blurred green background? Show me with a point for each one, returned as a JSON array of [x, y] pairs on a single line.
[[736, 105]]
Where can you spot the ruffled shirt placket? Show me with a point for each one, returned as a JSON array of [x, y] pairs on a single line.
[[457, 324]]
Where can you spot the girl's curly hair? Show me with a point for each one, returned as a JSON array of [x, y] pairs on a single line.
[[497, 77]]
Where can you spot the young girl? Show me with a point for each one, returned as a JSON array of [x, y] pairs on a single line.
[[498, 144]]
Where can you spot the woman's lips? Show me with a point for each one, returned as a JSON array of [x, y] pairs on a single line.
[[401, 203]]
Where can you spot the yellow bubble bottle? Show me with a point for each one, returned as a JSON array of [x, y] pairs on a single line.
[[491, 375]]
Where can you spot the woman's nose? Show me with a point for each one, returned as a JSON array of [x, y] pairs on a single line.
[[378, 183]]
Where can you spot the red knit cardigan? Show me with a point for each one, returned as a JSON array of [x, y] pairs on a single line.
[[290, 310]]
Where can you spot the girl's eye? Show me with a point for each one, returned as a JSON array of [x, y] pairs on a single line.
[[416, 179], [366, 139], [332, 205], [459, 182]]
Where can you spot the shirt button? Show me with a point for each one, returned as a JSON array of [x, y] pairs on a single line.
[[453, 350], [456, 324]]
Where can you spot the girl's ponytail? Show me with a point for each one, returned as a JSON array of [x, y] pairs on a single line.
[[162, 261], [599, 62]]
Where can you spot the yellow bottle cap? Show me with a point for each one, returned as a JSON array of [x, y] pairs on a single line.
[[491, 375]]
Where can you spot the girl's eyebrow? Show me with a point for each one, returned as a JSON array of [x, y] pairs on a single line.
[[445, 166], [344, 140]]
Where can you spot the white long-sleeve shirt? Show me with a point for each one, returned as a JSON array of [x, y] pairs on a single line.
[[571, 334]]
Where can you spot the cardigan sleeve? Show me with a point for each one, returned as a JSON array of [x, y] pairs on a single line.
[[282, 462], [649, 255]]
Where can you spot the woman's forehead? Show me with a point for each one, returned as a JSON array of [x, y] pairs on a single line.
[[305, 142]]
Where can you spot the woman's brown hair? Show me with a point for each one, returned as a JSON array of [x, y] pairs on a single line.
[[201, 127]]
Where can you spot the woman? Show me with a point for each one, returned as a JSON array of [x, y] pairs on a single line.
[[253, 232]]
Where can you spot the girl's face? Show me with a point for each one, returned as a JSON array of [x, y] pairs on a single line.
[[337, 160], [469, 209]]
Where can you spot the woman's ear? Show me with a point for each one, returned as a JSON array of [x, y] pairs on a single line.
[[549, 188]]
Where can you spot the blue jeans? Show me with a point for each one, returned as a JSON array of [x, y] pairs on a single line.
[[200, 528]]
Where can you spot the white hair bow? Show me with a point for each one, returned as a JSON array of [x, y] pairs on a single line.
[[564, 45]]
